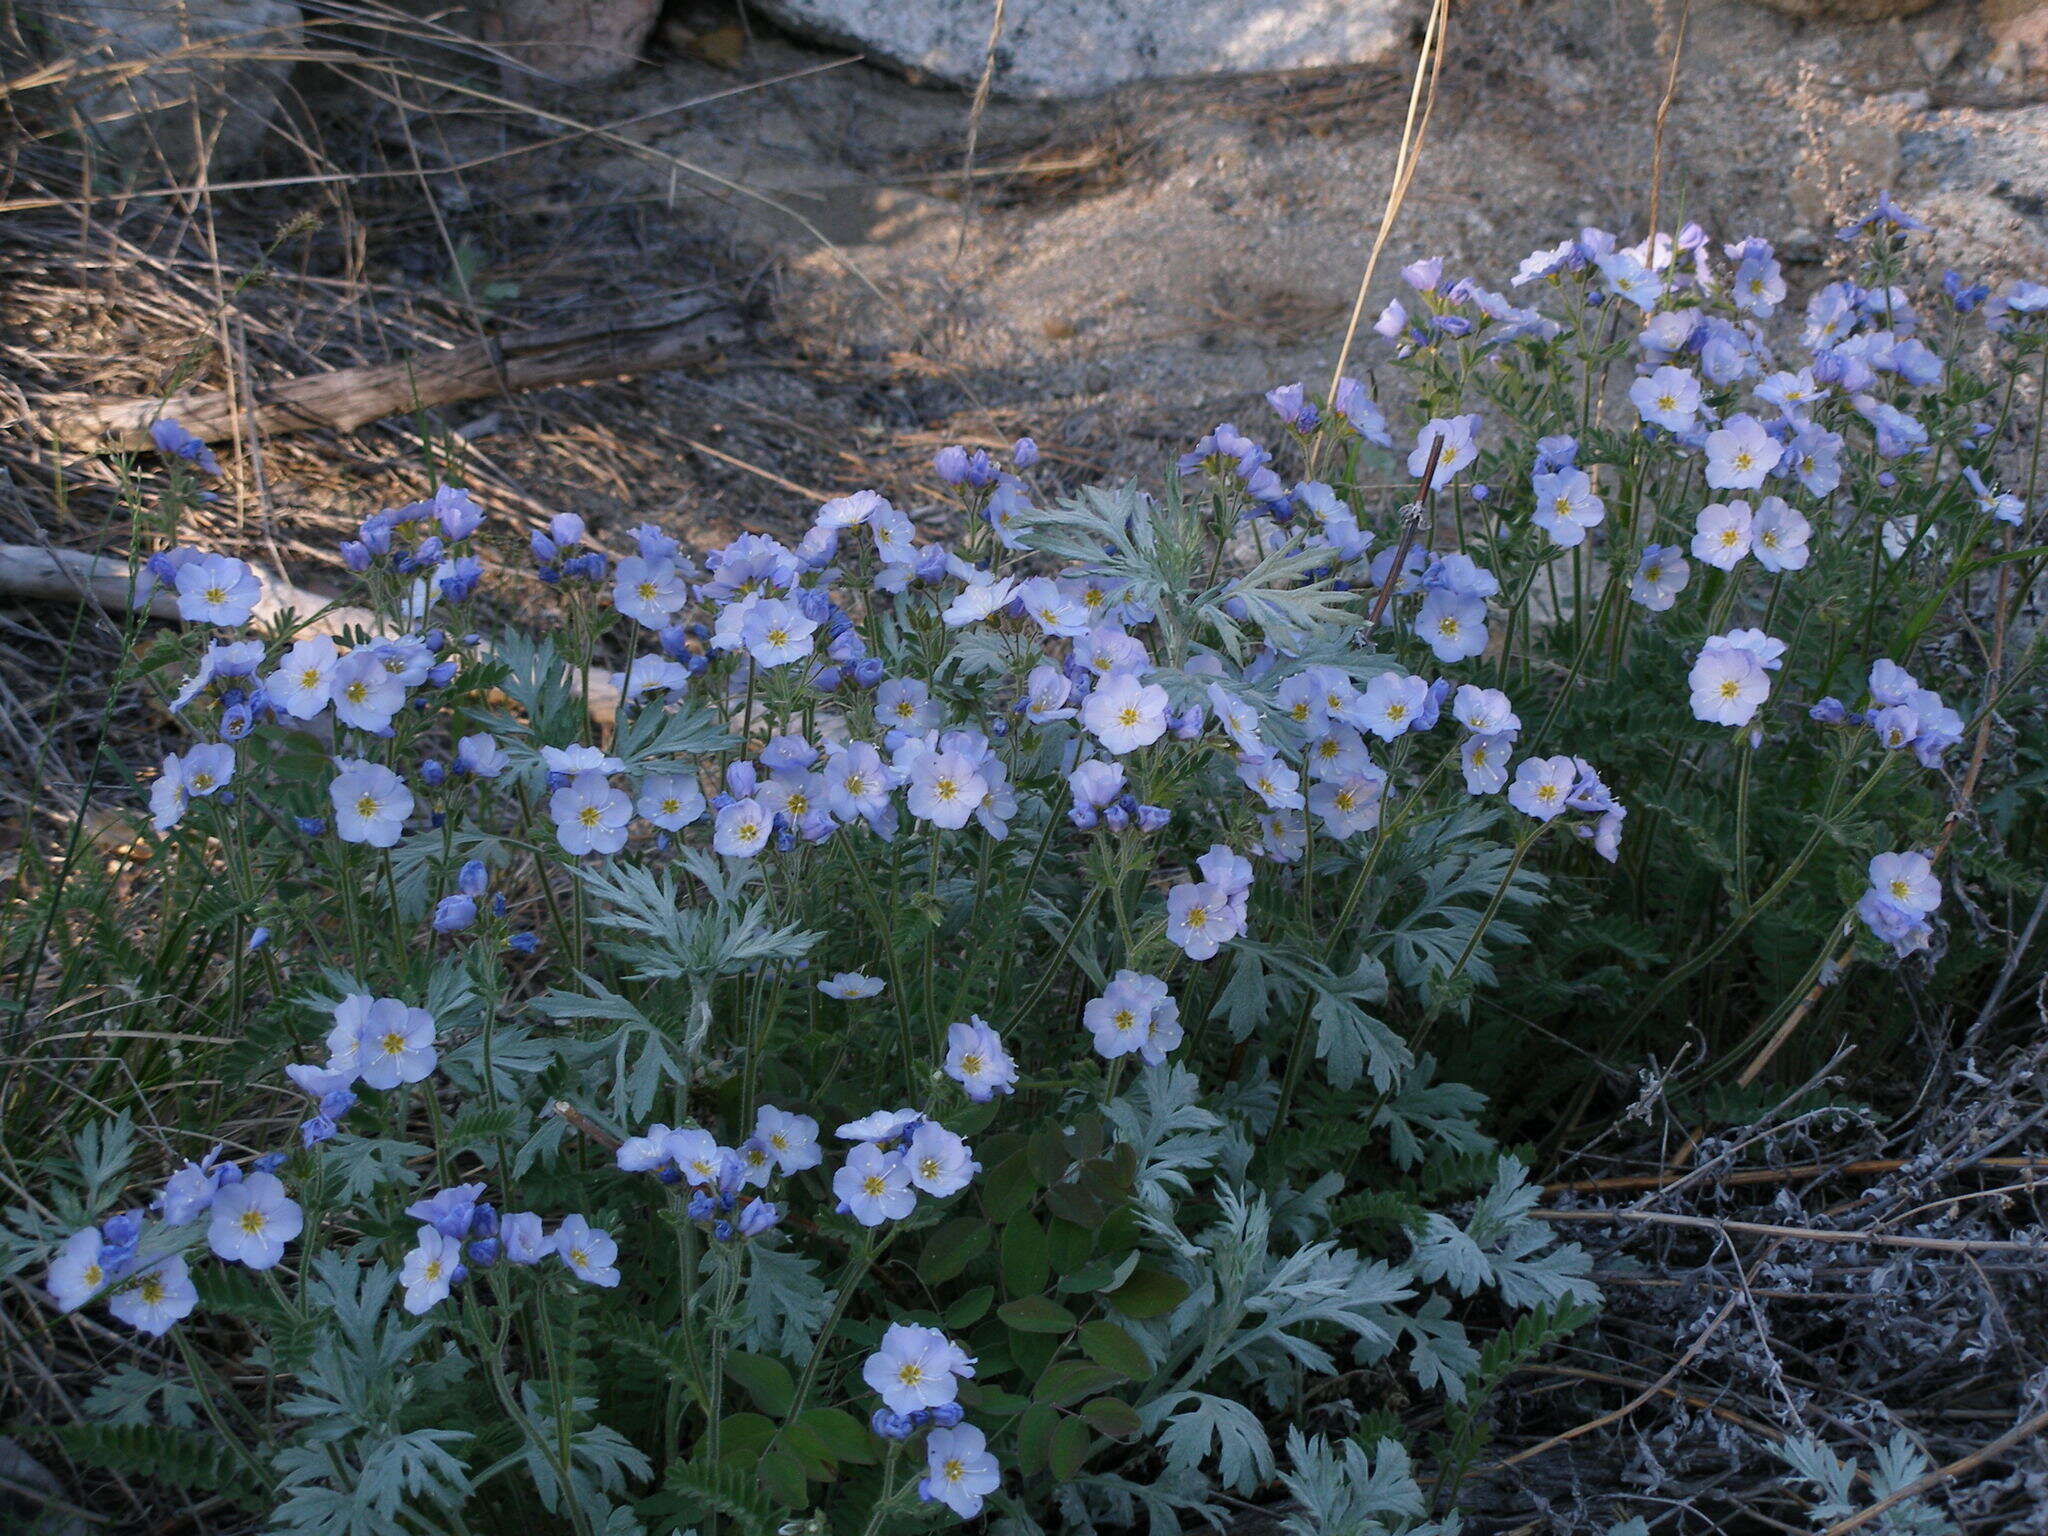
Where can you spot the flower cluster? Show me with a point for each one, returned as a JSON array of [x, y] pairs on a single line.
[[917, 1372]]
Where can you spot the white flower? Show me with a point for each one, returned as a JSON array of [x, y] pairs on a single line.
[[587, 1251], [1459, 449], [1542, 785], [905, 704], [1484, 760], [1135, 1013], [777, 633], [1271, 780], [1778, 536], [873, 1186], [217, 589], [370, 803], [1660, 576], [976, 1060], [1201, 918], [981, 597], [1484, 711], [916, 1367], [881, 1127], [1055, 610], [387, 1042], [1348, 806], [670, 800], [959, 1471], [428, 1273], [1670, 398], [847, 985], [1239, 719], [850, 511], [1722, 534], [156, 1298], [1125, 714], [1453, 627], [1740, 454], [481, 756], [1907, 881], [1728, 685], [590, 816], [945, 789], [742, 829], [76, 1274], [365, 693], [1566, 506], [1391, 704], [651, 674], [791, 1140], [938, 1162], [304, 676], [650, 591], [253, 1220]]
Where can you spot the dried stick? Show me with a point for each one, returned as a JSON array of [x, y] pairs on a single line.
[[1940, 1475], [352, 397], [1801, 1234]]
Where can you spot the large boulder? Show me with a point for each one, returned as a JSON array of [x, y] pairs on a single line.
[[1055, 48], [165, 86]]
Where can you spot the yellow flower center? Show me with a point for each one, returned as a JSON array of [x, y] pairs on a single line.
[[393, 1043], [366, 806], [1397, 711], [432, 1272], [1127, 716], [1546, 793], [202, 782], [929, 1167], [1197, 917], [252, 1222], [356, 692], [152, 1291], [1744, 459], [589, 816], [971, 1064], [910, 1373], [946, 789], [873, 1186], [646, 591], [216, 595], [953, 1470], [1900, 890], [310, 678], [1667, 402], [1730, 688], [94, 1275]]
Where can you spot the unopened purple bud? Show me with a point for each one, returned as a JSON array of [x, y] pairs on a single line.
[[269, 1162], [543, 548], [523, 943], [867, 672], [337, 1102], [1115, 817], [430, 551], [123, 1229], [377, 538], [483, 1253], [355, 555], [557, 779], [566, 528], [474, 878], [1084, 817], [432, 773], [950, 463], [258, 937], [311, 826], [890, 1425], [1829, 711], [702, 1207], [741, 778], [946, 1415], [459, 1274], [828, 679], [483, 1221], [316, 1130], [758, 1217], [452, 914], [675, 642], [1024, 453], [1153, 818]]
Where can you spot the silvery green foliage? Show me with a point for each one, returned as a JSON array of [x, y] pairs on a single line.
[[1502, 1245], [1344, 1490], [1894, 1465], [363, 1462]]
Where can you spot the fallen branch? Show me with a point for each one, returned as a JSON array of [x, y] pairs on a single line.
[[1802, 1234], [1645, 1181], [71, 575], [688, 332]]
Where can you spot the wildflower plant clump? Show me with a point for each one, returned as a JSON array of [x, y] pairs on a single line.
[[880, 1031]]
